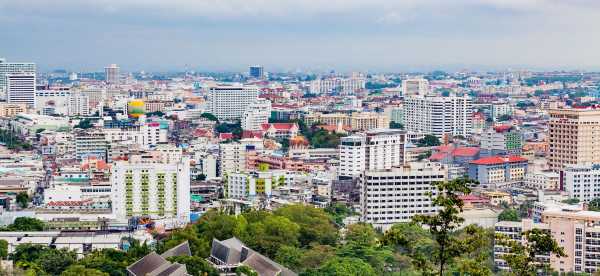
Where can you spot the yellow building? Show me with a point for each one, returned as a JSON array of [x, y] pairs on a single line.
[[358, 121], [12, 109]]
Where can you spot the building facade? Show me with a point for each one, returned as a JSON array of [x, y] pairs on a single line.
[[374, 150], [20, 88], [256, 114], [230, 102], [396, 195], [158, 190], [439, 116], [573, 137]]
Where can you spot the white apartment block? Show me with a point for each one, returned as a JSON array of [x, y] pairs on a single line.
[[582, 181], [413, 87], [374, 150], [153, 189], [513, 230], [230, 102], [542, 180], [342, 85], [20, 89], [232, 156], [396, 195], [146, 134], [256, 114], [439, 116], [14, 68], [62, 102]]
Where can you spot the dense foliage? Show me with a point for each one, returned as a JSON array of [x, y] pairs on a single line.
[[429, 141]]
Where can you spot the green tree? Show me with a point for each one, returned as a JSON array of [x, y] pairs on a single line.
[[196, 266], [315, 224], [504, 118], [245, 271], [316, 256], [339, 211], [26, 224], [594, 204], [84, 124], [509, 215], [3, 249], [343, 267], [79, 270], [22, 199], [446, 220], [270, 234], [571, 201], [429, 141], [55, 261], [114, 262], [290, 257], [209, 116], [362, 243], [521, 257]]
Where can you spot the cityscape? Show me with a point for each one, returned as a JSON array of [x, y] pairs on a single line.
[[275, 167]]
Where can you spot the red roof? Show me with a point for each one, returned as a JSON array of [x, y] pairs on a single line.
[[466, 151], [496, 160], [502, 128], [278, 126], [438, 156], [226, 136], [473, 199], [252, 134]]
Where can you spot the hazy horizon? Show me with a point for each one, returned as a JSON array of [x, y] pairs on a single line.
[[309, 35]]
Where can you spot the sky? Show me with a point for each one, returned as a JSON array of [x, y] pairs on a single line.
[[313, 35]]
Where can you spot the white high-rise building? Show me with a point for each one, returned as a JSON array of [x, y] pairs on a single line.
[[20, 88], [439, 115], [413, 87], [112, 74], [341, 85], [582, 181], [154, 189], [256, 114], [374, 150], [14, 68], [396, 195], [144, 134], [232, 156], [230, 102]]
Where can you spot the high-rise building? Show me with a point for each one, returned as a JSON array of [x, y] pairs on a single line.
[[574, 136], [256, 114], [14, 68], [396, 195], [111, 73], [20, 88], [582, 181], [147, 187], [374, 150], [232, 156], [414, 87], [439, 116], [257, 72], [230, 102]]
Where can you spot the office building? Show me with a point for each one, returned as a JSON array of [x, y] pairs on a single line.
[[20, 88], [573, 137], [398, 194], [414, 87], [14, 68], [257, 72], [440, 116], [256, 114], [374, 150], [111, 74], [229, 102], [149, 187]]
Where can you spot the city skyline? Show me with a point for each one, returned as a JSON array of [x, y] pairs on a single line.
[[346, 36]]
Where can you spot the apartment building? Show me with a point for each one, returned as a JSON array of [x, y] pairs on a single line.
[[232, 156], [582, 181], [339, 85], [230, 102], [256, 114], [397, 194], [501, 140], [373, 150], [574, 137], [149, 187], [413, 87], [498, 171], [440, 116]]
